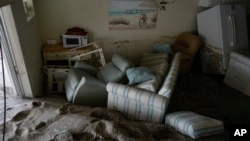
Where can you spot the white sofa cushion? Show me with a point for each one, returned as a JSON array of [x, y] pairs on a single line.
[[158, 65], [151, 85], [152, 59]]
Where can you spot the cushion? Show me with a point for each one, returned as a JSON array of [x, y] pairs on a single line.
[[158, 65], [194, 125], [150, 85], [138, 75], [163, 48], [151, 59], [85, 67], [161, 69], [120, 62], [110, 73]]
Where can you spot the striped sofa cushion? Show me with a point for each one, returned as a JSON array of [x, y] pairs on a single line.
[[169, 82], [136, 104], [194, 125], [151, 85], [158, 65], [152, 59]]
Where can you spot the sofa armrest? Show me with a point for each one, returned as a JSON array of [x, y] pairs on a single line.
[[135, 103], [171, 78]]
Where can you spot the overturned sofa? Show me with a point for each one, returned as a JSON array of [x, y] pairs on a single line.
[[147, 100]]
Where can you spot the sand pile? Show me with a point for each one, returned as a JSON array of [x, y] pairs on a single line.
[[34, 120]]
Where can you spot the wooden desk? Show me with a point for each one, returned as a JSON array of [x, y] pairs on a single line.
[[58, 61], [57, 55]]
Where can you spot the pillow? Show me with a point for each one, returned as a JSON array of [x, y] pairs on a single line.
[[163, 48], [121, 62], [194, 125], [138, 75], [110, 73]]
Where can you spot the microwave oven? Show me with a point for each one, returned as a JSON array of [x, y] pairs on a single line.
[[70, 41]]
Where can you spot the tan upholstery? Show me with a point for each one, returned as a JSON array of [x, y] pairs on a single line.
[[188, 44]]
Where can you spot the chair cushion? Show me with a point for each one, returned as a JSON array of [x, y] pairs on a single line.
[[120, 62], [194, 125], [138, 75], [85, 67], [110, 73]]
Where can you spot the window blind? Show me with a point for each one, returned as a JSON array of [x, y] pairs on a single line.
[[5, 2]]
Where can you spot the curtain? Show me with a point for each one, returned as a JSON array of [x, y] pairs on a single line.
[[5, 2]]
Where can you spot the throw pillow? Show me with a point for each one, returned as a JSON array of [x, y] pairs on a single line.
[[163, 48], [138, 75]]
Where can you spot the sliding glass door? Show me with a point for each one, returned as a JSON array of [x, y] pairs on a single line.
[[12, 54], [11, 76]]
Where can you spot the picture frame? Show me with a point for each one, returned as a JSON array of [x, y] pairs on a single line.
[[29, 9]]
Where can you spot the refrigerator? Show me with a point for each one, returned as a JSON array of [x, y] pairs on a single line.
[[223, 29]]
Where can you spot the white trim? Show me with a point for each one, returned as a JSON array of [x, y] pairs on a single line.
[[16, 47]]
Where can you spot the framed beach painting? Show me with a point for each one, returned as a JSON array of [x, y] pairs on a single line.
[[132, 14]]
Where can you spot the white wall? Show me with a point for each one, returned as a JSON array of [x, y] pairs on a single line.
[[55, 16], [31, 44]]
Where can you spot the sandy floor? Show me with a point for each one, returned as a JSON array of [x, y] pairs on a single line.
[[55, 119]]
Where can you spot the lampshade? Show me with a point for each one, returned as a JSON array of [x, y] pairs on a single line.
[[5, 2], [149, 4]]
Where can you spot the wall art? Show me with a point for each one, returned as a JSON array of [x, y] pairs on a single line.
[[29, 9], [132, 14]]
